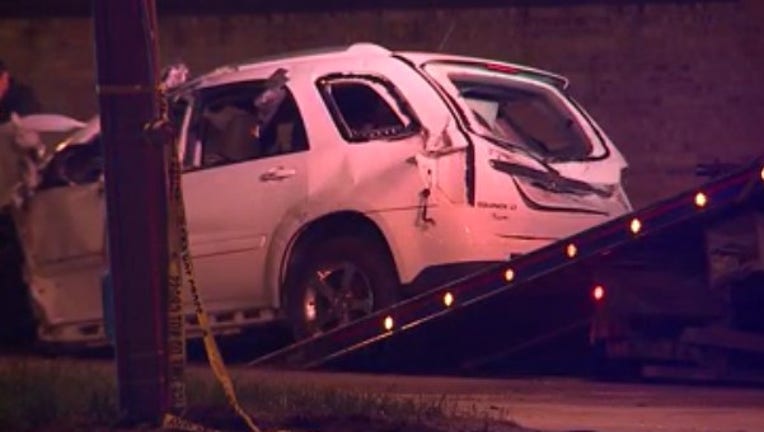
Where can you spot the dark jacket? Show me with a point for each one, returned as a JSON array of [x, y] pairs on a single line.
[[20, 99]]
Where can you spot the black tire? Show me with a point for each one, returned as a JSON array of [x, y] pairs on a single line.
[[357, 270]]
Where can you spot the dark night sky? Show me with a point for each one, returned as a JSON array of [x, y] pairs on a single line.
[[34, 8]]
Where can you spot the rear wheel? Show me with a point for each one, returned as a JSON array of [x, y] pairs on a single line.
[[338, 281]]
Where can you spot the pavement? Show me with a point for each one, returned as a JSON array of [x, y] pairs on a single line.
[[560, 404], [548, 404]]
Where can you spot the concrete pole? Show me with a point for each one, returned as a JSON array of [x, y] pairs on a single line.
[[126, 56]]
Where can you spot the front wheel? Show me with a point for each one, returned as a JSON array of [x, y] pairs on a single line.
[[338, 281]]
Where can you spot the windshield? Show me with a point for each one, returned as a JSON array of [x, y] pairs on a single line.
[[525, 116]]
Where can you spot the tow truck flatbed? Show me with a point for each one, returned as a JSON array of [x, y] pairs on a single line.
[[463, 315]]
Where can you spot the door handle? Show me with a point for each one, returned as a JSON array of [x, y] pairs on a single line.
[[277, 174]]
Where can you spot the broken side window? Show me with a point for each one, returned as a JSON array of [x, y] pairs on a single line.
[[229, 126], [366, 108]]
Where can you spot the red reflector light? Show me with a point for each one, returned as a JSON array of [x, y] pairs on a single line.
[[501, 68], [598, 292]]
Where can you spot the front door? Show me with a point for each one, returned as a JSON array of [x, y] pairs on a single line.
[[245, 168]]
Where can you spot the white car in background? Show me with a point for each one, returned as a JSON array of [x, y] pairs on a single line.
[[361, 177]]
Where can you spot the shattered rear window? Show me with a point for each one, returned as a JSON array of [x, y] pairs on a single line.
[[517, 107], [525, 117]]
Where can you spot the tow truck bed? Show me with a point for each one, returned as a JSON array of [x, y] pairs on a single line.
[[511, 304]]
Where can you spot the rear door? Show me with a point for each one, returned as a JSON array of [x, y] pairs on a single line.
[[390, 119], [379, 133]]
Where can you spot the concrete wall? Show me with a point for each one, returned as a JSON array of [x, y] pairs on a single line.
[[673, 84]]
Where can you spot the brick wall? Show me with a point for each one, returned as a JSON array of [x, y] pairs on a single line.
[[673, 84]]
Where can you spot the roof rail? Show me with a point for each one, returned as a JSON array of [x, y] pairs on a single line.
[[359, 48]]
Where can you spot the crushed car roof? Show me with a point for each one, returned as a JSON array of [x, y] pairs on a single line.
[[290, 60]]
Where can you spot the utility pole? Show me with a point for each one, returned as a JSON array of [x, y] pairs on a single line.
[[126, 49]]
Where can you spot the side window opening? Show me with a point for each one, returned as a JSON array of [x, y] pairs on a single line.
[[227, 134], [228, 127], [365, 109]]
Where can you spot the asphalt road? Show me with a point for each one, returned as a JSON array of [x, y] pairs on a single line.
[[563, 404], [559, 404]]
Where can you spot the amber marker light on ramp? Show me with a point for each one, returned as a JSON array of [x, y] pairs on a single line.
[[448, 299], [509, 274], [388, 323], [571, 250], [635, 226], [701, 200]]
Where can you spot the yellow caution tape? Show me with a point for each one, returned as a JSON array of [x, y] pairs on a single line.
[[180, 424], [180, 251], [176, 335]]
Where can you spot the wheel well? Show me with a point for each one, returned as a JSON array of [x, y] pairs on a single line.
[[342, 223]]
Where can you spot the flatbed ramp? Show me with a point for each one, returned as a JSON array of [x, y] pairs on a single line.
[[510, 305]]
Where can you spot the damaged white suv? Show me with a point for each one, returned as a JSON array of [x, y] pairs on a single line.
[[366, 176]]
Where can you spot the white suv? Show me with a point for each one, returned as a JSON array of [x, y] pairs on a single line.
[[361, 177]]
